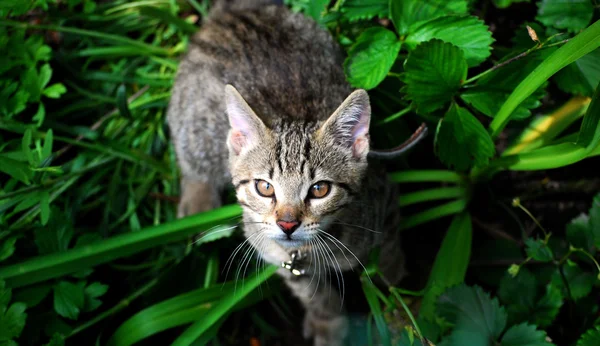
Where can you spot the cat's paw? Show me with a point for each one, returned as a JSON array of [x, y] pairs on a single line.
[[325, 332]]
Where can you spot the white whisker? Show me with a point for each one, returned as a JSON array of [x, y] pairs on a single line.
[[352, 253]]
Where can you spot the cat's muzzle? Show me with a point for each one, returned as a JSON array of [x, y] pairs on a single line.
[[295, 265]]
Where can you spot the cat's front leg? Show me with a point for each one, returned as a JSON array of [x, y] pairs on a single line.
[[324, 320]]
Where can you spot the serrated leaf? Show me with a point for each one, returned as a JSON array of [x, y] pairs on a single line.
[[468, 33], [371, 57], [408, 12], [433, 74], [12, 321], [524, 335], [518, 293], [572, 15], [54, 91], [477, 318], [580, 282], [590, 337], [355, 10], [92, 292], [461, 141], [69, 299], [582, 76], [579, 233], [538, 250], [547, 307], [488, 101]]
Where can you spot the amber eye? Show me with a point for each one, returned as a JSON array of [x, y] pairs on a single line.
[[264, 188], [319, 190]]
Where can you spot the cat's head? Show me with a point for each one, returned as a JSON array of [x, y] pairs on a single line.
[[294, 178]]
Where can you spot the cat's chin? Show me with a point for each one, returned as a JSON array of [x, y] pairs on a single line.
[[290, 243]]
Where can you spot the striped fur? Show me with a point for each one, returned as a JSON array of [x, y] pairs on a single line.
[[289, 120]]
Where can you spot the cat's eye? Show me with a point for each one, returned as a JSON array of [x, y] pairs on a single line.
[[264, 188], [319, 190]]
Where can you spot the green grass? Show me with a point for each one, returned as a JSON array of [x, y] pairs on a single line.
[[91, 250]]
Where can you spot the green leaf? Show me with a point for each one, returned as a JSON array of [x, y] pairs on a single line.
[[7, 248], [33, 295], [468, 33], [372, 299], [355, 10], [371, 57], [538, 250], [590, 337], [122, 102], [45, 207], [54, 91], [69, 300], [582, 44], [547, 307], [518, 294], [16, 169], [165, 16], [40, 115], [433, 74], [580, 282], [461, 141], [580, 234], [450, 264], [477, 318], [524, 335], [44, 76], [92, 292], [218, 311], [582, 76], [589, 132], [12, 321], [26, 146], [595, 219], [5, 295], [55, 238], [47, 148], [408, 12], [572, 15], [56, 340]]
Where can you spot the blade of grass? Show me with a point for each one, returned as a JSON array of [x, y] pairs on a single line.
[[434, 213], [371, 295], [218, 311], [450, 264], [582, 44], [431, 195], [421, 176], [58, 264]]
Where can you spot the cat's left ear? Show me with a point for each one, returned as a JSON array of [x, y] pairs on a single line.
[[246, 127], [348, 126]]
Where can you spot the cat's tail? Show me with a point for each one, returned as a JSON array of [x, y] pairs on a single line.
[[237, 5]]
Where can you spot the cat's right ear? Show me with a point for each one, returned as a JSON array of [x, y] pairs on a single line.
[[246, 126]]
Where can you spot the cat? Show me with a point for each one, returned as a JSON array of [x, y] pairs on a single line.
[[260, 101]]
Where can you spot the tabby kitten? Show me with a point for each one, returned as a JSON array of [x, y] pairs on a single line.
[[261, 100]]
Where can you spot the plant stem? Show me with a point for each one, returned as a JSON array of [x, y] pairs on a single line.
[[409, 313], [394, 116]]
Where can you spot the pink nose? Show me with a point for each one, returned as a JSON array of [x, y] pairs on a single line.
[[288, 227]]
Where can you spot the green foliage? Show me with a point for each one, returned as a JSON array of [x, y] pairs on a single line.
[[572, 15], [461, 142], [89, 181], [433, 73], [371, 57]]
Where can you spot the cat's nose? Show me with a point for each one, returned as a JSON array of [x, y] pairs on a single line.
[[288, 227]]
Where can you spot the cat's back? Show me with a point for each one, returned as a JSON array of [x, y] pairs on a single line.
[[282, 63]]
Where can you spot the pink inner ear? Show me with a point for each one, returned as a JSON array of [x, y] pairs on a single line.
[[360, 146], [237, 140]]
